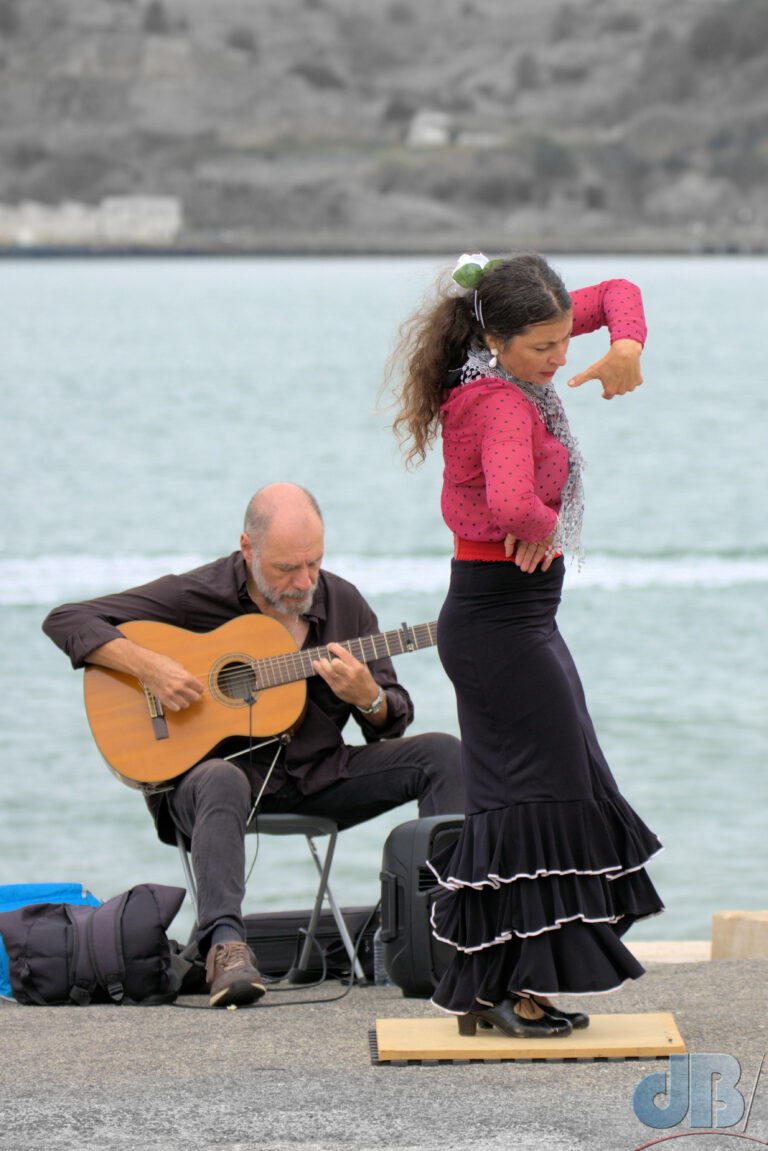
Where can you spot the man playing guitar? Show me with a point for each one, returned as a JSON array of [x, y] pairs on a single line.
[[275, 576]]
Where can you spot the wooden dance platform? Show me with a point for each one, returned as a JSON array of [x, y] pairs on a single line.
[[607, 1037]]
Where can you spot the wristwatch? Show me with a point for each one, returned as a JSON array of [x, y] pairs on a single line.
[[376, 706]]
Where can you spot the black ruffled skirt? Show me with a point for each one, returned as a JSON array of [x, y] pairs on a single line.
[[548, 871]]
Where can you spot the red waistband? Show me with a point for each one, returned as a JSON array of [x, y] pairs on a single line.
[[479, 549], [489, 550]]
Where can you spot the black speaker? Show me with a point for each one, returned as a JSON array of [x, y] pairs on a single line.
[[414, 960]]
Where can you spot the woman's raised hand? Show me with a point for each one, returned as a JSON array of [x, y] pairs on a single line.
[[618, 370]]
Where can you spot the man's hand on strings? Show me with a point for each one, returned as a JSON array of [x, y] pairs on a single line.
[[165, 678], [347, 677], [172, 684]]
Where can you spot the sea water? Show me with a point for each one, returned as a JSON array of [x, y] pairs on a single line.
[[144, 400]]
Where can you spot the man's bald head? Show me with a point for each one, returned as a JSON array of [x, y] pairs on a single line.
[[291, 507]]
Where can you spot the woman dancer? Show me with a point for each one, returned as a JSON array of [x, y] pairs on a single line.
[[548, 871]]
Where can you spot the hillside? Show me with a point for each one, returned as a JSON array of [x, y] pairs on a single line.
[[396, 125]]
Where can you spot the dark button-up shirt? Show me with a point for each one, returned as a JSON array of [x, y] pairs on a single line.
[[211, 595]]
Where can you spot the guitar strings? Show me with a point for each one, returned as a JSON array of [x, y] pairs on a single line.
[[276, 666]]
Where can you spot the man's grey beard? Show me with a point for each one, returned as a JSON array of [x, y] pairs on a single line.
[[285, 604]]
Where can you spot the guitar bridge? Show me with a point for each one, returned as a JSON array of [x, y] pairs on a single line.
[[156, 713]]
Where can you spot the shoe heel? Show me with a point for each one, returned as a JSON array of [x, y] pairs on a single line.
[[467, 1023]]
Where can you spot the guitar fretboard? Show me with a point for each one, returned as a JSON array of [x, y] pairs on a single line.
[[277, 669]]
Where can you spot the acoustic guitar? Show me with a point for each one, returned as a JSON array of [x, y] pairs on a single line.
[[254, 680]]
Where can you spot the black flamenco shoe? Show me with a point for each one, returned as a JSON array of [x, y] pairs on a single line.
[[505, 1018], [577, 1019]]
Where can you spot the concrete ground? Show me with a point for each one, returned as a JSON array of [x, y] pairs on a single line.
[[293, 1074]]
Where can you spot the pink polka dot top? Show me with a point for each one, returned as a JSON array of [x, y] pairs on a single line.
[[504, 472]]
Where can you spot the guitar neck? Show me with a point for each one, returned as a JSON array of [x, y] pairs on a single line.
[[292, 666]]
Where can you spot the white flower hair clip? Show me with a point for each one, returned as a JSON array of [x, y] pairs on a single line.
[[470, 269]]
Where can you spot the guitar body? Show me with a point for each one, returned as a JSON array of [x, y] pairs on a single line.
[[142, 748]]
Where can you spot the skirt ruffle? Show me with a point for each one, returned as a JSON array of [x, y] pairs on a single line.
[[472, 920], [584, 837], [536, 897], [576, 959]]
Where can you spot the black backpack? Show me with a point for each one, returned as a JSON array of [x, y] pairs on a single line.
[[115, 953]]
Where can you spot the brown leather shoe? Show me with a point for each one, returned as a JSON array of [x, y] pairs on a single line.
[[231, 971]]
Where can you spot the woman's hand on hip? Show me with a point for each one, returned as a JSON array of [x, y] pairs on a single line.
[[528, 554]]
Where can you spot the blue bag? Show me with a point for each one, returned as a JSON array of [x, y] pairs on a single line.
[[21, 894]]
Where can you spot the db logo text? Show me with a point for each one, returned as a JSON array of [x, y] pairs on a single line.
[[703, 1087]]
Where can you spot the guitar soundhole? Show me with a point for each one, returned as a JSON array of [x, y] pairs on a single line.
[[234, 683]]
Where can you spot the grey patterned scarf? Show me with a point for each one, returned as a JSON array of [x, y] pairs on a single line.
[[550, 407]]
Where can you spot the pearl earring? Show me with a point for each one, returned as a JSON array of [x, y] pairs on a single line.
[[494, 357]]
